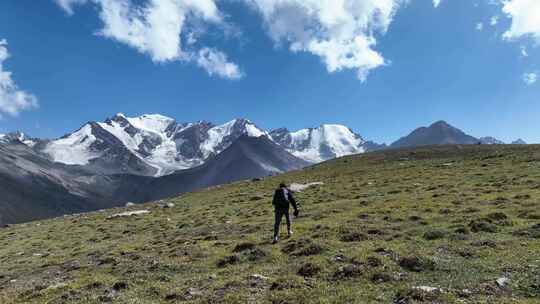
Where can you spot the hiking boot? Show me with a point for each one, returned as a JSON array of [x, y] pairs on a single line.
[[275, 240], [289, 233]]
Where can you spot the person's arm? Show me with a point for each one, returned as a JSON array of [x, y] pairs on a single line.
[[274, 200], [292, 200]]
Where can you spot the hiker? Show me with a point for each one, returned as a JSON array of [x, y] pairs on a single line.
[[283, 198]]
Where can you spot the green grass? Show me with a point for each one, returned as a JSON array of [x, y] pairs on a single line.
[[453, 218]]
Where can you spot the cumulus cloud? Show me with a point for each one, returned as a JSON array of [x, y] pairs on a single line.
[[12, 99], [157, 27], [340, 32], [343, 33], [215, 62], [525, 19], [530, 78], [436, 3]]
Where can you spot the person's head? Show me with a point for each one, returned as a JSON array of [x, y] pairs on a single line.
[[282, 185]]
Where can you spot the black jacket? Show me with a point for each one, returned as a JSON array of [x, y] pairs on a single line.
[[283, 198]]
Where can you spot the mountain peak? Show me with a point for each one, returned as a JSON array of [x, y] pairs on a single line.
[[438, 133], [440, 124]]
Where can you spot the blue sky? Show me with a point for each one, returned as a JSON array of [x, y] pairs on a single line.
[[249, 58]]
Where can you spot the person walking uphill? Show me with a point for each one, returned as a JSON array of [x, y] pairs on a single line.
[[283, 198]]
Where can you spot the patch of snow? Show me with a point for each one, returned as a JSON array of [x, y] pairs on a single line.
[[151, 122], [253, 131], [128, 214], [74, 149], [295, 187], [132, 143], [216, 136], [165, 156]]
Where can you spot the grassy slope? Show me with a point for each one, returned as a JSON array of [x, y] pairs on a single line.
[[354, 232]]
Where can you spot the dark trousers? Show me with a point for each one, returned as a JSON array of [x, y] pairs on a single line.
[[280, 212]]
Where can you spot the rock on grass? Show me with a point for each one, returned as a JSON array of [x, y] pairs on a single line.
[[348, 271], [381, 277], [309, 270], [416, 264], [482, 226]]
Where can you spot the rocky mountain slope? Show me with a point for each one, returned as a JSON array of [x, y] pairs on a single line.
[[33, 187], [442, 133], [439, 133], [246, 158], [387, 227]]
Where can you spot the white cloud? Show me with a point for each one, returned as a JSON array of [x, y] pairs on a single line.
[[436, 3], [494, 20], [530, 78], [479, 26], [157, 27], [524, 52], [12, 99], [341, 32], [68, 5], [525, 19], [215, 62]]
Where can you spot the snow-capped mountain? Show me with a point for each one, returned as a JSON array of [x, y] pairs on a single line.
[[488, 140], [519, 141], [18, 137], [156, 145], [150, 144], [319, 144]]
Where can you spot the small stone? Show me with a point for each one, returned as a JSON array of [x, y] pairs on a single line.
[[192, 293], [428, 289], [503, 281], [258, 277], [120, 286]]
